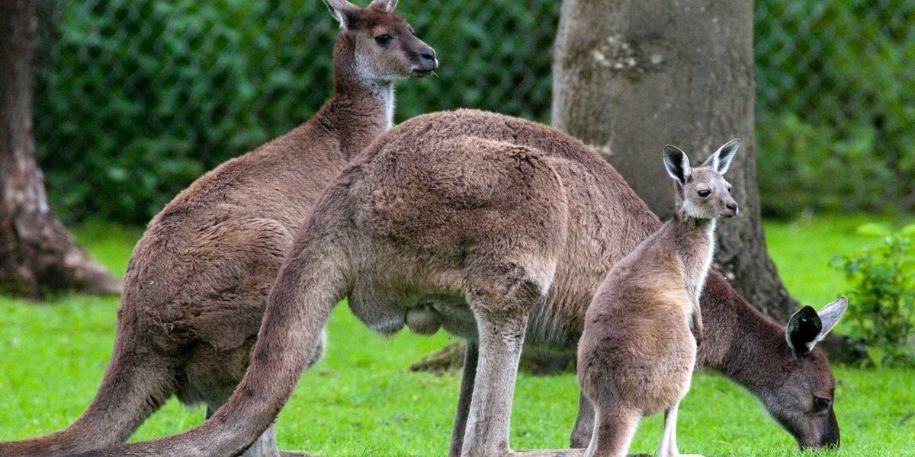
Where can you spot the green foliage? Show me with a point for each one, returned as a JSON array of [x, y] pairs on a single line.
[[882, 299], [136, 98], [835, 105]]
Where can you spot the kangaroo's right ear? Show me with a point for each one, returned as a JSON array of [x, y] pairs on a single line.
[[342, 11], [807, 327], [677, 164], [721, 159]]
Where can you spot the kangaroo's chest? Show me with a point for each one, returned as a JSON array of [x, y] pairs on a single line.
[[696, 263]]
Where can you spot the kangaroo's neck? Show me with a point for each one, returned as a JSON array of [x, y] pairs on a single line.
[[361, 108], [694, 240], [740, 342]]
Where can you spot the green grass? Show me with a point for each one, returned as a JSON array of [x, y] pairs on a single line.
[[362, 401]]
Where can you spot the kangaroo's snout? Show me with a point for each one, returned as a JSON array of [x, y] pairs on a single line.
[[427, 61], [731, 209]]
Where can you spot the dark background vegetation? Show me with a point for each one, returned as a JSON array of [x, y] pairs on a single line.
[[135, 99]]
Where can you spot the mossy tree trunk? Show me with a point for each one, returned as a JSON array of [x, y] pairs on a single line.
[[630, 77], [37, 254]]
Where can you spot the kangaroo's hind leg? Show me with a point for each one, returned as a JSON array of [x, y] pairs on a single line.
[[501, 319], [614, 428], [471, 355], [668, 447], [584, 424]]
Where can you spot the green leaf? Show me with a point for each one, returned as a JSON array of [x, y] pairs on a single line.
[[873, 229], [875, 355]]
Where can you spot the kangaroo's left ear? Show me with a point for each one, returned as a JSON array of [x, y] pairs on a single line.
[[721, 159], [807, 327], [677, 164]]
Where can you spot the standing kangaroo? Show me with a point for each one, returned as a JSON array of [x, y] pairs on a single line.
[[636, 354], [197, 282], [499, 230]]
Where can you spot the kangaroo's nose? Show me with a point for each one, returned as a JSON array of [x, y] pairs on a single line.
[[732, 206], [429, 55]]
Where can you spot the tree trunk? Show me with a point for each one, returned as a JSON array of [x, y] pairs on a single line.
[[630, 77], [36, 252]]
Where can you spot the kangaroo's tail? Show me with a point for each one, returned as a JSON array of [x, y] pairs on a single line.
[[310, 283], [135, 385]]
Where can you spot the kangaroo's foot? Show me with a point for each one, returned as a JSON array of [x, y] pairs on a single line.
[[569, 453], [548, 453]]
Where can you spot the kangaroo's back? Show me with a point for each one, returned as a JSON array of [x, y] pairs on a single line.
[[607, 216]]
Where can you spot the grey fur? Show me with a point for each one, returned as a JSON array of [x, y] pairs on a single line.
[[505, 228]]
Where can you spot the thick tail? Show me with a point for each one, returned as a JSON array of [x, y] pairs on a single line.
[[135, 385], [309, 285]]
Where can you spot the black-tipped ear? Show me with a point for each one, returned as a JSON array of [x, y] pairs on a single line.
[[803, 329], [721, 159], [384, 5], [342, 11], [677, 164], [807, 327]]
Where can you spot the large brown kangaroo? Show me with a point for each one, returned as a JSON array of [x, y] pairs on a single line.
[[500, 230], [197, 282]]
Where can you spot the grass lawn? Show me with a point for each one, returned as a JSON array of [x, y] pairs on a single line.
[[362, 401]]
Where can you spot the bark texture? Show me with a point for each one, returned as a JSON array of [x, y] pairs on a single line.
[[630, 77], [37, 254]]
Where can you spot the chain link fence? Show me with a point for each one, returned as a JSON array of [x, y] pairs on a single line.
[[136, 98]]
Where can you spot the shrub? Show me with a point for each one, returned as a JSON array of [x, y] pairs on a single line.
[[882, 300]]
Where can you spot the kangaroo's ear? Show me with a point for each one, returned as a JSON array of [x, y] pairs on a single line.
[[384, 5], [721, 159], [342, 11], [677, 164], [807, 327]]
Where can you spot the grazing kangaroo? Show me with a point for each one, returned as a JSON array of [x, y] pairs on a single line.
[[636, 353], [197, 282], [501, 230]]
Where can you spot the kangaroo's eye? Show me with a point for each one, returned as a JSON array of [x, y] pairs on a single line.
[[704, 193], [383, 39], [821, 404]]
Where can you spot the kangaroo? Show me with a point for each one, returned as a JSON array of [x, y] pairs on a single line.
[[636, 353], [197, 282], [502, 229]]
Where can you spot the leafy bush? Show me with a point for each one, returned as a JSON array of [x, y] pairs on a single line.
[[882, 301]]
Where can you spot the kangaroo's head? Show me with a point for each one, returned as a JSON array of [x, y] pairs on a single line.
[[379, 45], [801, 400], [702, 192]]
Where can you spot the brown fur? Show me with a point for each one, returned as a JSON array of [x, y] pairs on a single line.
[[504, 228], [197, 282], [637, 352]]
